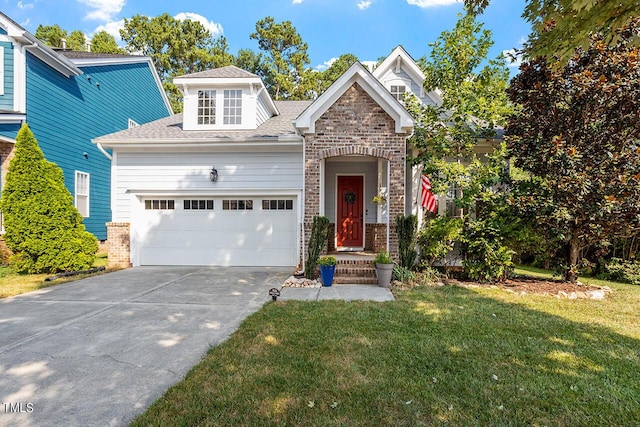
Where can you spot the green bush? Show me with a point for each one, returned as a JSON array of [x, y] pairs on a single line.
[[43, 228], [403, 274], [407, 226], [486, 259], [438, 237], [622, 270], [317, 242], [383, 257], [327, 260]]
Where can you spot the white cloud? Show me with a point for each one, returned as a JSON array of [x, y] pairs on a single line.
[[103, 10], [213, 27], [296, 2], [25, 6], [364, 4], [513, 56], [432, 3], [112, 28], [326, 64]]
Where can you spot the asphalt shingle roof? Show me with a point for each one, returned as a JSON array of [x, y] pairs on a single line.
[[170, 128], [230, 71]]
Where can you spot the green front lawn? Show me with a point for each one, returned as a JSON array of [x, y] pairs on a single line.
[[436, 356], [12, 283]]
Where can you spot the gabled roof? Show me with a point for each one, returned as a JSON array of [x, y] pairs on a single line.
[[357, 73], [38, 49], [401, 60]]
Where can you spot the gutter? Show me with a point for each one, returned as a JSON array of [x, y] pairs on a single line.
[[103, 151]]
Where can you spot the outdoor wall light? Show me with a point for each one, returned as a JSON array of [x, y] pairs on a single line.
[[213, 175]]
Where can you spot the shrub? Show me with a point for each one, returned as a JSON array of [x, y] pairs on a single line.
[[485, 257], [622, 270], [438, 237], [317, 242], [43, 228], [403, 274], [407, 226]]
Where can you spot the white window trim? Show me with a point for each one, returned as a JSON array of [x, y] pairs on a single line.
[[78, 193]]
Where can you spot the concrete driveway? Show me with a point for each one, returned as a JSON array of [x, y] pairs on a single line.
[[98, 351]]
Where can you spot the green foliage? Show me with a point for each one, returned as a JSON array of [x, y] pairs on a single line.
[[52, 35], [403, 274], [43, 228], [383, 257], [486, 258], [618, 269], [576, 135], [438, 237], [104, 42], [176, 47], [336, 69], [77, 41], [317, 242], [286, 60], [450, 136], [407, 228], [327, 260], [559, 26]]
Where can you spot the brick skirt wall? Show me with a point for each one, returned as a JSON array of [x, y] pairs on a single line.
[[119, 244]]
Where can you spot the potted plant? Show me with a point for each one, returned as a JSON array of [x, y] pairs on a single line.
[[384, 268], [327, 265]]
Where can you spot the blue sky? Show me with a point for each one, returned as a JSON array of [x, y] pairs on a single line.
[[369, 29]]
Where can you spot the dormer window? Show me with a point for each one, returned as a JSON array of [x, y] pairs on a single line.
[[207, 107], [232, 114], [398, 91]]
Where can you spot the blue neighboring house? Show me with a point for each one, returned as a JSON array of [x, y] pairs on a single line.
[[69, 98]]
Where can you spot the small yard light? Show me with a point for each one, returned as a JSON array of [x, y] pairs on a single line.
[[213, 175]]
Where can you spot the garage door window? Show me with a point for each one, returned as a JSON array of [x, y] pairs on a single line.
[[195, 205], [159, 205], [277, 205], [237, 205]]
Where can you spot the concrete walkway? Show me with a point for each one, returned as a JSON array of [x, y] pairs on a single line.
[[337, 292], [99, 351]]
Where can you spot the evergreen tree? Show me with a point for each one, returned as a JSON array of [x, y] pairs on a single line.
[[43, 228]]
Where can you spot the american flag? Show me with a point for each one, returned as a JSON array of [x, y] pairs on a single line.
[[427, 199]]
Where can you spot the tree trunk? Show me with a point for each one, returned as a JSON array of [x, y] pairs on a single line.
[[574, 249]]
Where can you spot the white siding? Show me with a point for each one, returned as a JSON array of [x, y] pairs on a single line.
[[262, 113], [189, 172]]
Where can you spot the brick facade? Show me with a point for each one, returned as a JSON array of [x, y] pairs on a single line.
[[355, 125], [119, 244]]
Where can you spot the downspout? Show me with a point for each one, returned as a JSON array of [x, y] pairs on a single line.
[[103, 151]]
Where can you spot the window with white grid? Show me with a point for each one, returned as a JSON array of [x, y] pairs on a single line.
[[206, 107], [233, 107], [82, 193]]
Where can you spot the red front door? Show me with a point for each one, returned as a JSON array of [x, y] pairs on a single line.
[[350, 219]]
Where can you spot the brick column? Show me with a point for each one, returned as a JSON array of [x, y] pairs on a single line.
[[119, 244]]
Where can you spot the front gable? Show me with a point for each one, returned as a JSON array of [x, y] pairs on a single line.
[[360, 76]]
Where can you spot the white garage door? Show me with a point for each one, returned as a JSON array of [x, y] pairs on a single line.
[[218, 231]]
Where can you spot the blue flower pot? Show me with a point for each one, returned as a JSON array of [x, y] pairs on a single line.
[[326, 274]]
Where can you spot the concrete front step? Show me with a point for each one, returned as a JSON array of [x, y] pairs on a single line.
[[343, 280]]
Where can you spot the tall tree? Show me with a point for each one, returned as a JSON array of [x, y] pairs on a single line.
[[43, 228], [103, 42], [286, 59], [52, 35], [336, 69], [559, 26], [450, 139], [577, 133], [473, 104], [77, 41], [177, 47]]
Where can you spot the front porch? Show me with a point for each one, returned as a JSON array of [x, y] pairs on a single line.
[[355, 268]]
